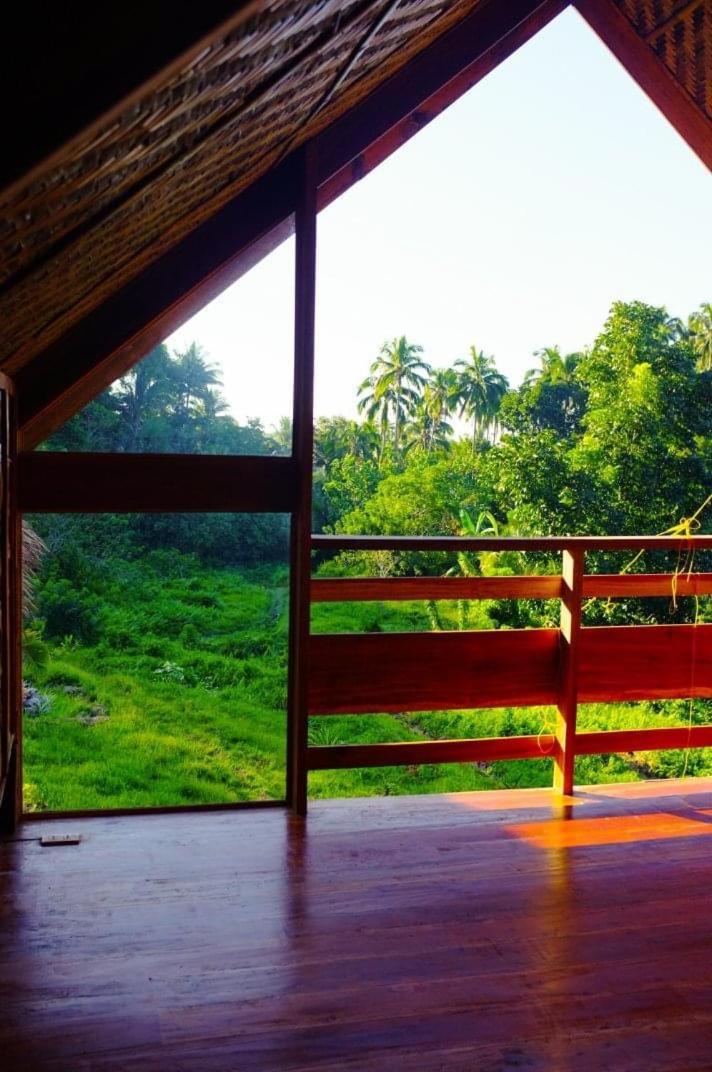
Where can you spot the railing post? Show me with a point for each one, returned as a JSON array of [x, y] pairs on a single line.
[[570, 630], [302, 449]]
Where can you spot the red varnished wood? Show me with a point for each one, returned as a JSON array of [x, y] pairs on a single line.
[[645, 662], [489, 931], [302, 448], [604, 585], [476, 750], [68, 482], [644, 740], [338, 590], [537, 544], [432, 671], [615, 585]]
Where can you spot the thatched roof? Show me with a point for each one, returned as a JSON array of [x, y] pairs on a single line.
[[91, 233]]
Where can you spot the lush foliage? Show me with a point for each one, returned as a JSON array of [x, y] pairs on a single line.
[[156, 649]]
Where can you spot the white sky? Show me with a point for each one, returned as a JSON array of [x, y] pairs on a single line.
[[551, 189]]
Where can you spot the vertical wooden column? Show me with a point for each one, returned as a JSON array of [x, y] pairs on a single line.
[[302, 447], [570, 629], [10, 614]]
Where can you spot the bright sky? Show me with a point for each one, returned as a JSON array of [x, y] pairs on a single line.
[[512, 221]]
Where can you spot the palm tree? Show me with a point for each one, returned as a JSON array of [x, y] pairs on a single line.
[[193, 377], [440, 395], [554, 367], [393, 388], [142, 393], [335, 437], [480, 389], [426, 430], [700, 332]]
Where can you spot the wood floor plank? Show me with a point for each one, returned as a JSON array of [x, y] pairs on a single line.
[[489, 932]]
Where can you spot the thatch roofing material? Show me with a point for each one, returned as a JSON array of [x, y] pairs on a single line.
[[680, 33], [82, 228]]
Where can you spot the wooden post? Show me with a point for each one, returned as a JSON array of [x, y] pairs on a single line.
[[570, 629], [302, 449], [10, 615]]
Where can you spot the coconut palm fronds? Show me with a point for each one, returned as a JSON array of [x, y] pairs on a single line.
[[33, 549]]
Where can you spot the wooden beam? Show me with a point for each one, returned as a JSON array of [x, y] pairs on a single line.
[[651, 74], [126, 483], [569, 644], [361, 589], [10, 615], [550, 544], [372, 672], [303, 447], [598, 586], [609, 741], [479, 750], [619, 586], [414, 96], [645, 662], [107, 341]]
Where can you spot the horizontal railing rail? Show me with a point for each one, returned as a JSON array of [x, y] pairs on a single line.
[[364, 673], [511, 543]]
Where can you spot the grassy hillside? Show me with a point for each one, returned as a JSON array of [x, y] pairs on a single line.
[[180, 698]]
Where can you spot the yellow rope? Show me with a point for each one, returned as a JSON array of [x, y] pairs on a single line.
[[685, 528]]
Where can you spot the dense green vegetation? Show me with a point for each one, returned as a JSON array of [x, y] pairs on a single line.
[[156, 646]]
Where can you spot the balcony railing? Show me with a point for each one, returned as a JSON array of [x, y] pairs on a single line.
[[561, 667]]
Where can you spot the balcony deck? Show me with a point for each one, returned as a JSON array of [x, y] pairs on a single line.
[[489, 931]]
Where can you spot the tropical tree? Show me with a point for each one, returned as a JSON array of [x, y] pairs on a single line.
[[193, 379], [700, 334], [425, 430], [479, 391], [335, 437], [551, 395], [467, 563], [554, 367], [142, 394], [392, 389]]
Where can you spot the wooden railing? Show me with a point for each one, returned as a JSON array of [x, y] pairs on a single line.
[[562, 667]]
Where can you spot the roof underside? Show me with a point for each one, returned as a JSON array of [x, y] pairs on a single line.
[[116, 201]]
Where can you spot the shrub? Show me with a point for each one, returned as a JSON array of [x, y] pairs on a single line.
[[68, 611]]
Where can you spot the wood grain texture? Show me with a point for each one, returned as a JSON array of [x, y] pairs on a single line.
[[569, 649], [475, 750], [598, 586], [374, 672], [486, 931], [85, 483], [338, 590], [619, 586], [645, 662], [303, 448], [646, 740]]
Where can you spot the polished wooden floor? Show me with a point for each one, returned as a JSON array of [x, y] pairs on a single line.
[[472, 932]]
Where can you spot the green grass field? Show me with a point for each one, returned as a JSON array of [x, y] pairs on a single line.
[[180, 699]]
